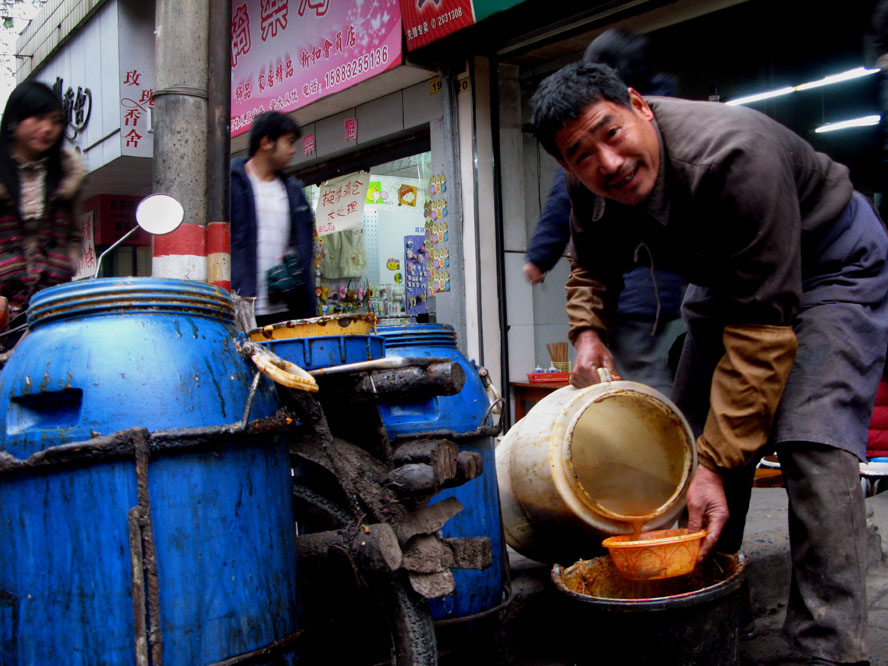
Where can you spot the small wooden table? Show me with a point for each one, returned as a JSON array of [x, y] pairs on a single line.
[[526, 392], [768, 478]]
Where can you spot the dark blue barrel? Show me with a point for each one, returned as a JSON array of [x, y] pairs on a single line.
[[103, 356], [312, 353], [462, 413], [322, 342], [462, 416]]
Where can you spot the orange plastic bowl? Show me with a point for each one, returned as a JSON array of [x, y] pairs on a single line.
[[658, 554]]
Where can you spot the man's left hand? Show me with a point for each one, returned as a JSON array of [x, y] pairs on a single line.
[[592, 354], [707, 507], [533, 274]]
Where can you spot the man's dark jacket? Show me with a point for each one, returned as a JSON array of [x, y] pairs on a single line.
[[745, 208], [640, 299], [244, 234]]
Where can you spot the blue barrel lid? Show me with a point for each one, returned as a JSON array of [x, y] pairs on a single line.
[[418, 335], [157, 295]]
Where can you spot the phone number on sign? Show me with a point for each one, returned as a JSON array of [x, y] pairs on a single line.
[[376, 58], [446, 17]]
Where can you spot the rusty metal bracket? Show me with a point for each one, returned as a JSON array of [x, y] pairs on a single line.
[[143, 559], [122, 444]]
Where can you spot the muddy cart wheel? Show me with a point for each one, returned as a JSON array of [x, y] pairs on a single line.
[[412, 629], [358, 615]]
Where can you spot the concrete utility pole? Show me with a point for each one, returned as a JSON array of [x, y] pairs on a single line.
[[180, 133]]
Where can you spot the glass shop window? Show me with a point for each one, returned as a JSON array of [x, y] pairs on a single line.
[[381, 241]]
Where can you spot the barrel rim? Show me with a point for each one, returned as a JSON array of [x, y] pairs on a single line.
[[683, 600], [611, 390], [418, 334], [104, 296]]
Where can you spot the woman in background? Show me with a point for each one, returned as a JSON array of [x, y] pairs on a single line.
[[40, 184]]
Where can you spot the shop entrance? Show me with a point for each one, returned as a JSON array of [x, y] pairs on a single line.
[[382, 234]]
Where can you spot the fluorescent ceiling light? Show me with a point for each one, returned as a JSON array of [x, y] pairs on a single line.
[[866, 121], [855, 73], [760, 96]]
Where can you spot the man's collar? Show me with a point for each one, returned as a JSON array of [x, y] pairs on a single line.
[[658, 203]]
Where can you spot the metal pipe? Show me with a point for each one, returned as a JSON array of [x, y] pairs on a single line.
[[498, 225], [477, 207], [111, 247], [219, 144], [451, 163], [388, 363]]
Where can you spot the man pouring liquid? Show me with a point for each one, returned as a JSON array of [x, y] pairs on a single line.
[[786, 309]]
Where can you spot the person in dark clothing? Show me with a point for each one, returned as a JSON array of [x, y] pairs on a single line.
[[787, 311], [648, 320], [270, 217], [876, 48], [552, 232]]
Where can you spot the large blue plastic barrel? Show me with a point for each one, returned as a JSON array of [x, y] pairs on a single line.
[[463, 416], [461, 413], [103, 356]]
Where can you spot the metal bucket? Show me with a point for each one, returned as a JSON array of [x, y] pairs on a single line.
[[178, 543], [583, 461], [692, 620], [464, 419]]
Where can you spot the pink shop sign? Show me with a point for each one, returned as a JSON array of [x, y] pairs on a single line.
[[286, 54]]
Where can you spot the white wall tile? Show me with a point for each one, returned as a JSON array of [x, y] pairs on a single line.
[[519, 297]]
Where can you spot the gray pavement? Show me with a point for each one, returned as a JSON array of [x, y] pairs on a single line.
[[531, 631], [767, 546]]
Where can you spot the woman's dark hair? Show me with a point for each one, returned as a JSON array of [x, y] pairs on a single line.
[[29, 99], [564, 95], [274, 125]]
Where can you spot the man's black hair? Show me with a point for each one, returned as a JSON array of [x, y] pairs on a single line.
[[271, 124], [564, 95], [29, 99]]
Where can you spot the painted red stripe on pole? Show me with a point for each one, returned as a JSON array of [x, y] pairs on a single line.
[[190, 239], [219, 254], [218, 237]]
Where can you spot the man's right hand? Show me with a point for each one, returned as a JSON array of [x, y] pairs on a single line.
[[592, 354], [533, 274], [707, 507]]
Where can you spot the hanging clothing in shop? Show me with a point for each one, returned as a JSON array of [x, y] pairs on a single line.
[[344, 254]]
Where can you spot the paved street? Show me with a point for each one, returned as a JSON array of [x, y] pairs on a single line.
[[531, 632]]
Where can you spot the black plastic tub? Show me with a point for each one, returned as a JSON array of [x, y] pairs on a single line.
[[691, 620]]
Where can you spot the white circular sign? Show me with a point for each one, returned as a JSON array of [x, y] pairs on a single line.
[[159, 214]]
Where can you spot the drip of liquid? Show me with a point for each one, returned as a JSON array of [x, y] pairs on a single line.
[[636, 524]]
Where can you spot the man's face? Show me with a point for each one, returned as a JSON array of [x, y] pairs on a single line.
[[283, 151], [613, 150]]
